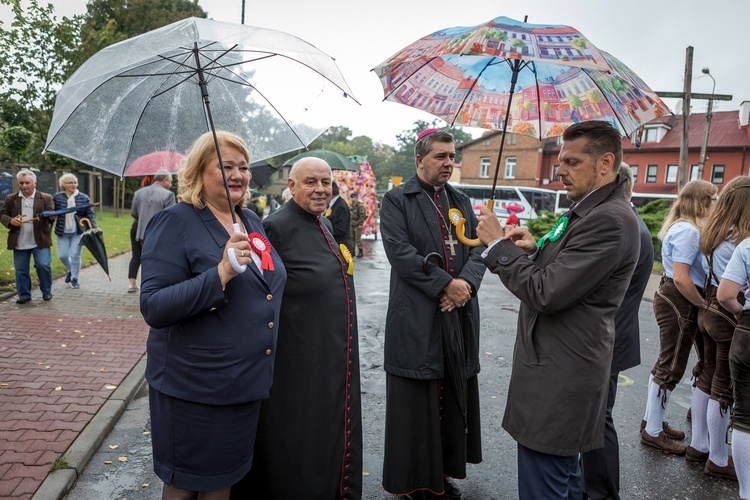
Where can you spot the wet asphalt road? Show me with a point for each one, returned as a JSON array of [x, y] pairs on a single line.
[[645, 472]]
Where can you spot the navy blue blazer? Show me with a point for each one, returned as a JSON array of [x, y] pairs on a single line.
[[207, 345]]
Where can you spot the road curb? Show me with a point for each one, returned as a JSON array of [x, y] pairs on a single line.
[[59, 482]]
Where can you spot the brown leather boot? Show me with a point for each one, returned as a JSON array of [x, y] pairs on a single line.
[[663, 443]]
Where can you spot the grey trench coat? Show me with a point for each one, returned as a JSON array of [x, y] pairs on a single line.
[[569, 295]]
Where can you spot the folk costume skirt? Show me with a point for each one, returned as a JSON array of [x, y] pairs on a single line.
[[201, 447], [425, 437]]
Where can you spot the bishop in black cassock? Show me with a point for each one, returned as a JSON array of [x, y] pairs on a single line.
[[427, 440], [309, 439]]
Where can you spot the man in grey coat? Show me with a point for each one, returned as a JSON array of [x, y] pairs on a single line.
[[147, 202], [570, 284], [151, 199]]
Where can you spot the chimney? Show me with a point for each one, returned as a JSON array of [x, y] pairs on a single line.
[[744, 113]]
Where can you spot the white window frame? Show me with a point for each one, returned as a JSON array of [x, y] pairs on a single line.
[[484, 167], [671, 174], [510, 167]]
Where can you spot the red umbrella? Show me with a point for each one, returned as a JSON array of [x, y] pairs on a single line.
[[155, 162]]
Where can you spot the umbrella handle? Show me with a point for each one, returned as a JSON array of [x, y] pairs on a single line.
[[86, 220], [461, 232], [240, 268]]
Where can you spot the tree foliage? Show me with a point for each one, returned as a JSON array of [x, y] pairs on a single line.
[[110, 21], [36, 51]]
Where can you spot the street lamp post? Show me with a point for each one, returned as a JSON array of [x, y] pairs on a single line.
[[704, 144]]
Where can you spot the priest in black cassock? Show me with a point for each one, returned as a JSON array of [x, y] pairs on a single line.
[[427, 439], [309, 439]]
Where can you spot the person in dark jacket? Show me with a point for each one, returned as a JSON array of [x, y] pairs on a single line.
[[213, 328], [29, 235], [601, 467], [427, 440], [570, 283], [68, 228]]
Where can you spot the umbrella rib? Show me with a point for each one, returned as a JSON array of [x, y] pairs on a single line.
[[476, 80], [617, 117], [410, 75]]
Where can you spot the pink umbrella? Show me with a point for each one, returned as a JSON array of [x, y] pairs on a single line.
[[155, 162], [513, 208]]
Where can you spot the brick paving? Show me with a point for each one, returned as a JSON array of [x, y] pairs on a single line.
[[59, 362]]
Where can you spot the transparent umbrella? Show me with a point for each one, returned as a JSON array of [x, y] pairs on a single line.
[[161, 90]]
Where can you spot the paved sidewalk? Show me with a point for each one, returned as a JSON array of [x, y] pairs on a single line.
[[64, 367]]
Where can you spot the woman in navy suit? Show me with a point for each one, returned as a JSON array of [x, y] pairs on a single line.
[[213, 330]]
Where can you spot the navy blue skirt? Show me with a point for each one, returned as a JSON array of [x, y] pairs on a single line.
[[201, 447]]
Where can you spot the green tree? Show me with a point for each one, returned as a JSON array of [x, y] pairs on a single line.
[[574, 101], [578, 43], [35, 56], [497, 35], [518, 44], [110, 21], [619, 85]]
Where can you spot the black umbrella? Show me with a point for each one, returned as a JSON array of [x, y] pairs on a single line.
[[93, 239], [453, 347], [261, 171]]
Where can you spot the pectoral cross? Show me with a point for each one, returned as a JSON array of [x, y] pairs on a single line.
[[451, 243]]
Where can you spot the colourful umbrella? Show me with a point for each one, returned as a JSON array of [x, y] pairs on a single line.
[[153, 163], [530, 79]]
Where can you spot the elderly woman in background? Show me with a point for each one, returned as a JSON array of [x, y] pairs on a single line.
[[728, 224], [67, 227], [676, 305], [213, 332]]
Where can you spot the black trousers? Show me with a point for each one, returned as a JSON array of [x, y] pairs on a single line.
[[135, 259], [601, 467]]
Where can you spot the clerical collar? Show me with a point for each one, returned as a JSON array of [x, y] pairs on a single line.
[[429, 187]]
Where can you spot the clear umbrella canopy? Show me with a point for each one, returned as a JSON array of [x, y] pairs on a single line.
[[143, 95]]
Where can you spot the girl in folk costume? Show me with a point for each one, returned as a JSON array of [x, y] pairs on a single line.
[[676, 305]]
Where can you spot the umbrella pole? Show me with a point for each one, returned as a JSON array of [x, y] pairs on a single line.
[[207, 105], [460, 231], [516, 68]]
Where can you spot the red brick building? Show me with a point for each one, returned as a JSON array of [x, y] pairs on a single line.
[[528, 161], [656, 163], [519, 165]]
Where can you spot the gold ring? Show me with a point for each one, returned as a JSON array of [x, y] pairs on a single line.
[[242, 253]]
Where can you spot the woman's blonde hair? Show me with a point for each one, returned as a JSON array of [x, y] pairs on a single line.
[[692, 205], [64, 178], [731, 213], [202, 152]]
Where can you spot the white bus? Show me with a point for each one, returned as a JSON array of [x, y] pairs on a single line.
[[533, 200], [562, 202]]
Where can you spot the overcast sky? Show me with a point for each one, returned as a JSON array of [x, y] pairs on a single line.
[[650, 36]]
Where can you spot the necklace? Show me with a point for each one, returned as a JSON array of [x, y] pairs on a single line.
[[450, 242]]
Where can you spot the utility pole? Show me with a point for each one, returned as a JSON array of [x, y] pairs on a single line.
[[243, 12], [686, 95]]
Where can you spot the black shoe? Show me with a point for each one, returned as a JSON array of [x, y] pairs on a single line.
[[22, 301], [451, 490], [360, 254], [47, 296], [67, 277]]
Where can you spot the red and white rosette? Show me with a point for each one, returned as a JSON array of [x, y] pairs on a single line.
[[262, 247]]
